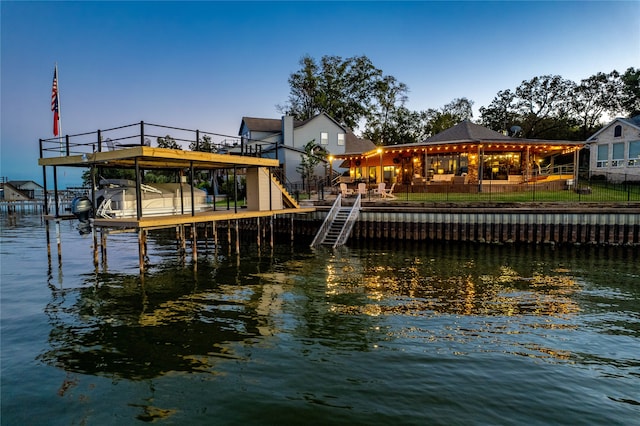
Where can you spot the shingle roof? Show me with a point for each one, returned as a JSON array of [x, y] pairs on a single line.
[[273, 125], [262, 124], [467, 131], [356, 145], [634, 121]]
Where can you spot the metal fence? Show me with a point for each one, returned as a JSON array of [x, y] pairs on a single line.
[[579, 191], [555, 191]]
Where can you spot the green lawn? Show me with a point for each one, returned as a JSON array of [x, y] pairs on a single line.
[[599, 193]]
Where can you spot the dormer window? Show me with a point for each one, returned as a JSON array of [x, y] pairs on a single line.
[[617, 131]]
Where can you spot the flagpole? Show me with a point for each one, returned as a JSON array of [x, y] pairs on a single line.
[[59, 113]]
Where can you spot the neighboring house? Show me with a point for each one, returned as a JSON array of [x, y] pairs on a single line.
[[615, 150], [285, 139], [22, 190]]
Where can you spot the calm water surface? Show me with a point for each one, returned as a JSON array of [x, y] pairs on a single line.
[[369, 334]]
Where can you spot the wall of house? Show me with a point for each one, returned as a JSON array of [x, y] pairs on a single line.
[[615, 170], [312, 131]]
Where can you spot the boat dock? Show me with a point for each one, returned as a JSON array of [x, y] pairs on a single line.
[[266, 196]]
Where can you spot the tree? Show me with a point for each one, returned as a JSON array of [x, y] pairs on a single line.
[[440, 121], [500, 115], [303, 84], [168, 142], [203, 178], [390, 96], [593, 97], [630, 94], [460, 108], [456, 111], [313, 155], [542, 107], [342, 88], [203, 145]]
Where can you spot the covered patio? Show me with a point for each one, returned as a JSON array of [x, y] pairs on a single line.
[[464, 158]]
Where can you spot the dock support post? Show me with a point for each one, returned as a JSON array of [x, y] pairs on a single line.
[[183, 243], [258, 229], [215, 238], [206, 237], [103, 248], [94, 235], [141, 250], [237, 238], [59, 242], [194, 242], [46, 227], [138, 190], [271, 230]]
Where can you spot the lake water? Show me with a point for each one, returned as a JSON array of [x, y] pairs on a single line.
[[376, 333]]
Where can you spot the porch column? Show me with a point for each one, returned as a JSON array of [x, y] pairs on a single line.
[[480, 166]]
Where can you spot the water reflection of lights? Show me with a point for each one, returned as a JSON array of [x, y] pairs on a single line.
[[385, 290]]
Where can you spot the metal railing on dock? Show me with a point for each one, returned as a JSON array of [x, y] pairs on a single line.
[[148, 134]]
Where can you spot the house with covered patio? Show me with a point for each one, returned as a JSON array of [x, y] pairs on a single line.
[[468, 156]]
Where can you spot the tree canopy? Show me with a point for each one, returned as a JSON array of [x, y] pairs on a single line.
[[343, 88], [555, 108], [359, 95]]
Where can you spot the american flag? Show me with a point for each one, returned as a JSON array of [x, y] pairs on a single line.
[[54, 102]]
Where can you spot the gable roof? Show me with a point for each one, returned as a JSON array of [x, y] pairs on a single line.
[[467, 131], [20, 183], [356, 145], [633, 122], [274, 125], [254, 124]]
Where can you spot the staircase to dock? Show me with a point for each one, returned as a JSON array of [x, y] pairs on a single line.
[[338, 224]]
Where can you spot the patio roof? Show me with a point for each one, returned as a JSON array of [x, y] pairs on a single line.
[[467, 135]]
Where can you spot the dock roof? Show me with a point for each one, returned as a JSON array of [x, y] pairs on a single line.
[[157, 158]]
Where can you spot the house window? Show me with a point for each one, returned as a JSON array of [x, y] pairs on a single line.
[[634, 153], [617, 131], [617, 159], [340, 138], [603, 156], [324, 138]]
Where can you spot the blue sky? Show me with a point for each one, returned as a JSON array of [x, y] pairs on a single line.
[[206, 65]]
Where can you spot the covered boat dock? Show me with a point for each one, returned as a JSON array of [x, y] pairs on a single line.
[[266, 197]]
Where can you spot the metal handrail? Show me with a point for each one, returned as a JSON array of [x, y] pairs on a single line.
[[351, 220], [322, 232]]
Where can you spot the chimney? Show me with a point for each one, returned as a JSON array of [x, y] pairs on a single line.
[[287, 130]]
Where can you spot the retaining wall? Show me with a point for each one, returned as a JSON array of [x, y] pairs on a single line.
[[546, 224]]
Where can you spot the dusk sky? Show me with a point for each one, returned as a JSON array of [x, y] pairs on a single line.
[[205, 65]]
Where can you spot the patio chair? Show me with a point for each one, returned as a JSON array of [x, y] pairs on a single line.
[[345, 191], [362, 189], [388, 193], [380, 189], [111, 145]]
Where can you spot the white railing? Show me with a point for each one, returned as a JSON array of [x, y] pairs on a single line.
[[351, 220], [322, 232]]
